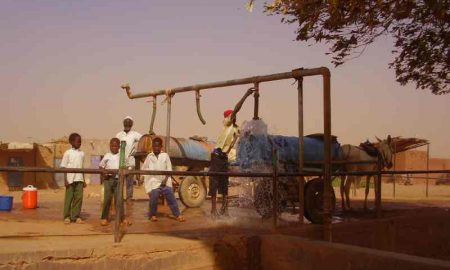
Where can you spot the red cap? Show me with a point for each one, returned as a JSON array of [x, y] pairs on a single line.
[[227, 113]]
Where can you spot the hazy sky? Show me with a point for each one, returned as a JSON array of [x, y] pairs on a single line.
[[62, 64]]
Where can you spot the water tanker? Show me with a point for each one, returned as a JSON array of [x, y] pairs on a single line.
[[193, 154]]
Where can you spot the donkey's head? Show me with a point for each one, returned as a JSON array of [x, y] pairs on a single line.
[[385, 149]]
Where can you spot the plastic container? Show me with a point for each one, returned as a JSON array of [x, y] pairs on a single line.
[[29, 197], [6, 203]]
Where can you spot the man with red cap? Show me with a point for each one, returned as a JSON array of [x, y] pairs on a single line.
[[219, 157]]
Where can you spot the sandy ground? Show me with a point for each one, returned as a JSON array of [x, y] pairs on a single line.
[[44, 225]]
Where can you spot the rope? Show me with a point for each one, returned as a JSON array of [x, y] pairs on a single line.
[[169, 94]]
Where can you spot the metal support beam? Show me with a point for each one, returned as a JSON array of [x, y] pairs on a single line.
[[256, 96], [275, 186], [153, 116], [119, 204], [169, 111], [395, 164], [301, 152], [378, 188], [206, 173], [428, 168], [249, 80], [327, 200]]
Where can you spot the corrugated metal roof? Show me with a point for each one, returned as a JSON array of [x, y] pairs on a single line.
[[403, 144], [400, 144], [20, 146]]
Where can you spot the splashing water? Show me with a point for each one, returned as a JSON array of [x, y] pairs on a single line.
[[254, 154]]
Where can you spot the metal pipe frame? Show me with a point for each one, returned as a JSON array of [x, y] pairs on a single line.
[[395, 164], [256, 107], [275, 186], [256, 80], [153, 116], [249, 80], [208, 173], [428, 168], [301, 147], [169, 115], [378, 188]]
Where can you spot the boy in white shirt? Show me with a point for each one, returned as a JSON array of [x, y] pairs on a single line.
[[110, 181], [74, 182], [131, 137], [157, 184]]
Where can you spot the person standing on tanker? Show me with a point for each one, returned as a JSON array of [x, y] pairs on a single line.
[[219, 157], [131, 138]]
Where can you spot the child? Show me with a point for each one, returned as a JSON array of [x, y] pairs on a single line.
[[157, 184], [110, 181], [219, 156], [218, 184], [74, 182]]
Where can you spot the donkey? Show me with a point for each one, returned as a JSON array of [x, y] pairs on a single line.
[[355, 153]]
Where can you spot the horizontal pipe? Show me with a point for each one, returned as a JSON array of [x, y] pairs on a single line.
[[57, 170], [434, 178], [147, 172], [339, 162], [208, 173], [249, 80]]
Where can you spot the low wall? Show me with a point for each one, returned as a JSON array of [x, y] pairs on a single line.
[[290, 252], [423, 234]]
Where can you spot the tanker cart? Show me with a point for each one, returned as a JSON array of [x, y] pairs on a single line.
[[193, 154], [255, 152]]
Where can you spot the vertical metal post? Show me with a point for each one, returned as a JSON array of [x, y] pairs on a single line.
[[378, 188], [275, 186], [256, 96], [394, 175], [428, 168], [169, 108], [152, 122], [119, 204], [327, 197], [35, 161], [301, 147]]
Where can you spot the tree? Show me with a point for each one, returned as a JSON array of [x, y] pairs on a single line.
[[420, 29]]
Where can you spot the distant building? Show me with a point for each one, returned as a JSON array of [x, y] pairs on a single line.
[[46, 155], [417, 160]]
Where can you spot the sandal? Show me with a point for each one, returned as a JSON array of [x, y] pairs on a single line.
[[126, 222], [153, 219], [180, 219], [66, 221], [104, 222], [79, 221]]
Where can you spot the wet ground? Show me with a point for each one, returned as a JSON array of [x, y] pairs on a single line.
[[46, 220]]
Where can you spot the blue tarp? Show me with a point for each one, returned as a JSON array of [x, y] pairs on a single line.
[[258, 149], [195, 150]]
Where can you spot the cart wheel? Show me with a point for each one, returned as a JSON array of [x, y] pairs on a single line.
[[192, 192], [264, 198], [314, 201]]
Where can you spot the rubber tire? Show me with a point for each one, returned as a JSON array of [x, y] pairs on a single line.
[[314, 201], [184, 192], [263, 199]]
